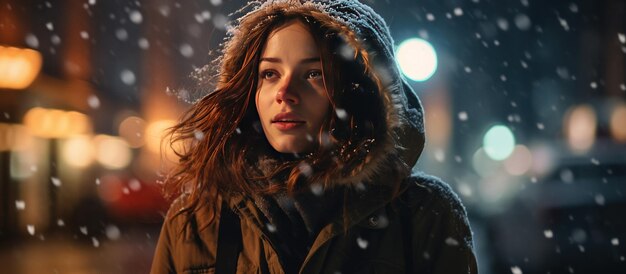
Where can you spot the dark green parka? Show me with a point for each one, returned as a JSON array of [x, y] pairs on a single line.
[[423, 229]]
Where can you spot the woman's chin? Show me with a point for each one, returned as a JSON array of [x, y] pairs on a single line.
[[292, 148]]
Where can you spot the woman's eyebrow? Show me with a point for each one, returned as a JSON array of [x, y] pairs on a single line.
[[278, 60]]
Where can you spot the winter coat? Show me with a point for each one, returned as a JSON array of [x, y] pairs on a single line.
[[422, 229]]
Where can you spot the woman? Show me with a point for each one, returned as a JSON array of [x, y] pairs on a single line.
[[300, 159]]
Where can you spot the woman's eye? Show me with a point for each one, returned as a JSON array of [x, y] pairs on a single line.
[[315, 74], [268, 74]]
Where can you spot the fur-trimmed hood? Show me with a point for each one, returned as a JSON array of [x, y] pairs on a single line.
[[364, 31]]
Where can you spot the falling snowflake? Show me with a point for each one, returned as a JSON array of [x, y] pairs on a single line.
[[563, 23], [50, 26], [164, 10], [134, 185], [206, 14], [599, 198], [563, 72], [430, 17], [135, 17], [524, 64], [95, 242], [458, 11], [112, 232], [317, 188], [503, 24], [615, 241], [362, 242], [305, 169], [32, 41], [440, 155], [522, 22], [121, 34], [465, 190], [595, 162], [451, 241], [198, 134], [93, 102], [30, 229], [271, 228], [341, 113], [143, 43], [55, 181], [128, 77], [540, 126], [548, 233], [463, 116], [516, 270], [621, 37], [60, 222], [20, 204], [186, 50], [83, 229], [55, 39]]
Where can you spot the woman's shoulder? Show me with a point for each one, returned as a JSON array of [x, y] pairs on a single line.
[[433, 202], [425, 189], [177, 207]]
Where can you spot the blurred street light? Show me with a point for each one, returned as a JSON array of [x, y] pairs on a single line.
[[580, 128], [499, 142], [417, 59], [18, 67], [618, 123], [53, 123]]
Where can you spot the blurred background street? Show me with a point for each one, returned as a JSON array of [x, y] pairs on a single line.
[[525, 106]]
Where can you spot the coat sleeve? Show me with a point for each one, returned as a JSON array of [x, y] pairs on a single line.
[[162, 261], [442, 241]]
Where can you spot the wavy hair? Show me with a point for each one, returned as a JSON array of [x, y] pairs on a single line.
[[222, 161]]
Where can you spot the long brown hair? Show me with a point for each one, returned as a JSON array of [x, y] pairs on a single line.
[[219, 138]]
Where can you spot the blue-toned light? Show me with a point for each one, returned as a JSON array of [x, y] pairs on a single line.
[[499, 142], [417, 59]]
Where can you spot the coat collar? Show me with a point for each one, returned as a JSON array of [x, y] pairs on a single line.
[[358, 203]]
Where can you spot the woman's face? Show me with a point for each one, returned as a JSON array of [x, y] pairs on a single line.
[[291, 100]]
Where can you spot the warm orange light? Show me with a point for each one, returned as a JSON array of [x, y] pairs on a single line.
[[155, 132], [54, 123], [133, 129], [580, 128], [78, 151], [18, 67], [618, 123], [112, 152]]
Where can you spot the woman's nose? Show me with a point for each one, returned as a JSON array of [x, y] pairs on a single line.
[[287, 93]]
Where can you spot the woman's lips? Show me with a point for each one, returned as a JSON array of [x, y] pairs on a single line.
[[287, 125]]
